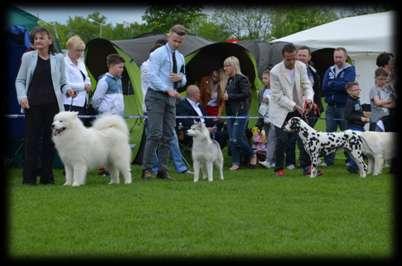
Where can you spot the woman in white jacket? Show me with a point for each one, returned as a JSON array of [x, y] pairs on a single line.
[[76, 97]]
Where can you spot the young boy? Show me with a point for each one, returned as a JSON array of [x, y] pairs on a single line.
[[108, 96], [381, 97], [355, 116], [264, 97]]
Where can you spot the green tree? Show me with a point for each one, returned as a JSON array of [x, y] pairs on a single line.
[[89, 30], [97, 17], [211, 31], [162, 18], [286, 21], [357, 10], [244, 22]]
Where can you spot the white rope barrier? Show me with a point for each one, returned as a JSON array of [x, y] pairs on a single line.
[[177, 117], [145, 116]]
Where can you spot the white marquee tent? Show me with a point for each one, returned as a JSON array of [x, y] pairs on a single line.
[[364, 37]]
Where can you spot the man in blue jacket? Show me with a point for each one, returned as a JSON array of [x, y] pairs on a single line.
[[334, 89]]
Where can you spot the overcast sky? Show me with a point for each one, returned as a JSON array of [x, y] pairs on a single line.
[[115, 15], [61, 14]]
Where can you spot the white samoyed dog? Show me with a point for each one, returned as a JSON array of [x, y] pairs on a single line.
[[205, 152], [378, 147], [81, 149]]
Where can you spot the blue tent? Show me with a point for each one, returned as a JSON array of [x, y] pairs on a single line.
[[17, 42]]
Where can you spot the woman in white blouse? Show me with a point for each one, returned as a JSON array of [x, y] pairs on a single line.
[[76, 97]]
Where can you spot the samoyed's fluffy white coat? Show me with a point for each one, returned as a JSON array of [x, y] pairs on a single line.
[[81, 149]]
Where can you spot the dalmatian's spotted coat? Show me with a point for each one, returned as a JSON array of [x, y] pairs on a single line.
[[316, 143]]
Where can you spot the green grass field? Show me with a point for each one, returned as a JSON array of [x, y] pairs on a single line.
[[251, 213]]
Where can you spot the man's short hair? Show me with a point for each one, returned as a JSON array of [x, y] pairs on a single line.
[[383, 59], [304, 47], [350, 84], [341, 49], [178, 29], [288, 48], [114, 59]]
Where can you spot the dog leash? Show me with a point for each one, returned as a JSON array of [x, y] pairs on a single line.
[[71, 104]]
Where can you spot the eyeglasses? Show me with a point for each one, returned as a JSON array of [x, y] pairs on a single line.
[[80, 50]]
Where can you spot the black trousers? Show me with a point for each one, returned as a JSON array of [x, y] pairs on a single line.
[[281, 145], [38, 147]]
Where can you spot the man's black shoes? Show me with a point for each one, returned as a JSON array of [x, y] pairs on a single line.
[[164, 175]]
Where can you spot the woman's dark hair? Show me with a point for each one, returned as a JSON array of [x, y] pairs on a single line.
[[43, 30], [383, 59]]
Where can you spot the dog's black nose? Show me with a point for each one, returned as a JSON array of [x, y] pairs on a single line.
[[52, 126]]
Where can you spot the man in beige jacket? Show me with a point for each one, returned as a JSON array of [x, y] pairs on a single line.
[[292, 95]]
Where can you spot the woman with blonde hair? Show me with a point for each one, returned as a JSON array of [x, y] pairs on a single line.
[[76, 98], [238, 97]]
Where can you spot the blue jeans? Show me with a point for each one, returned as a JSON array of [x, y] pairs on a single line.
[[334, 118], [238, 142], [175, 154]]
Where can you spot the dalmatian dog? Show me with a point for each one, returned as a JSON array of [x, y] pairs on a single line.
[[316, 143]]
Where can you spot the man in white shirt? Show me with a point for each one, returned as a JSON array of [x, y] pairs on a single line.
[[174, 148], [166, 76]]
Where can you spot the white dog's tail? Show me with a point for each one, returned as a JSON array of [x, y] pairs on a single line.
[[114, 121]]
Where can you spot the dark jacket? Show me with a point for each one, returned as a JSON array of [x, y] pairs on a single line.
[[239, 92], [333, 86], [184, 108], [316, 87], [353, 112]]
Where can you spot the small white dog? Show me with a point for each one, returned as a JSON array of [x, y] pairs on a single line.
[[81, 149], [378, 146], [205, 152]]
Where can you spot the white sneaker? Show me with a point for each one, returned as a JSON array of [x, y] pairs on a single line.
[[323, 164], [291, 167], [267, 164], [188, 172]]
